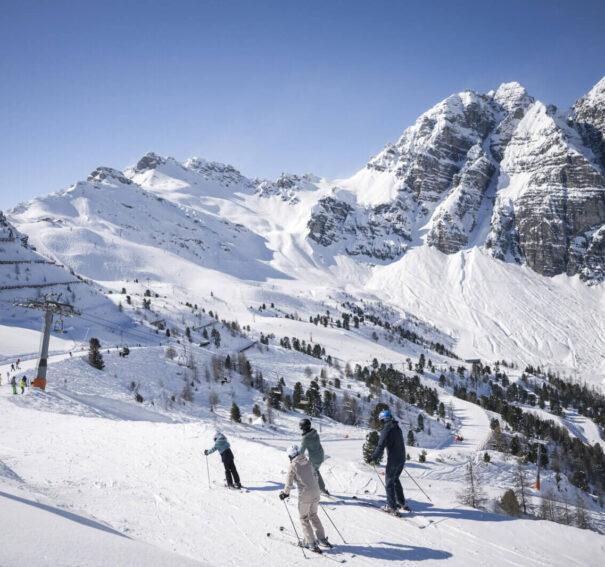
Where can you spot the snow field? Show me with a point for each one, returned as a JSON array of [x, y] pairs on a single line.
[[87, 448]]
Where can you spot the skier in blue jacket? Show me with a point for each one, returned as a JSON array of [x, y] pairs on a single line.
[[222, 446], [391, 438]]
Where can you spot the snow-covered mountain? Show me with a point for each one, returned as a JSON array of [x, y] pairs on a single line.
[[485, 195], [478, 235]]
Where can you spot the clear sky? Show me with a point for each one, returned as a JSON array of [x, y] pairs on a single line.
[[297, 86]]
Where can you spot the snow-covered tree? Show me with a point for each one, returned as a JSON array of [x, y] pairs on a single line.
[[95, 358], [235, 413]]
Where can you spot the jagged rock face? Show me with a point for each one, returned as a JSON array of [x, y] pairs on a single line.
[[499, 170], [215, 170], [456, 216], [149, 161], [286, 186], [433, 150], [108, 173], [553, 195], [589, 116], [336, 222]]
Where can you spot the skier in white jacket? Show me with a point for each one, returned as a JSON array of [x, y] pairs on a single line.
[[302, 472]]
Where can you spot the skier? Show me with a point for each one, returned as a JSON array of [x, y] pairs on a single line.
[[14, 384], [22, 384], [391, 438], [311, 443], [25, 382], [305, 475], [12, 366], [0, 378], [222, 446]]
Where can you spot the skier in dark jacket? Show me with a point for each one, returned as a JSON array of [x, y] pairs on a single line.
[[222, 446], [391, 439], [311, 443]]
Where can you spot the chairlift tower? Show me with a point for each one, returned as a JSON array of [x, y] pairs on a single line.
[[50, 305]]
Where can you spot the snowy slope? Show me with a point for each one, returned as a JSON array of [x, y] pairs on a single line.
[[132, 479]]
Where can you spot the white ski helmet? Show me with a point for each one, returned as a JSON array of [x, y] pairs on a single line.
[[292, 451], [216, 435]]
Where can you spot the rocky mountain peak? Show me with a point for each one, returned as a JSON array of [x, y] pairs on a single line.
[[589, 116], [107, 174], [149, 161], [512, 96]]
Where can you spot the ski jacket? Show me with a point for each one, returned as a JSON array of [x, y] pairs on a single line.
[[310, 442], [221, 445], [302, 472], [391, 438]]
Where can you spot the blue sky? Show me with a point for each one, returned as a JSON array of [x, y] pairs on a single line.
[[297, 86]]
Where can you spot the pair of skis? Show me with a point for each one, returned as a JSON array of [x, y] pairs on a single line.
[[405, 515], [290, 539]]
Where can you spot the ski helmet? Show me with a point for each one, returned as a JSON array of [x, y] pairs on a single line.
[[304, 424], [216, 435], [292, 451], [385, 415]]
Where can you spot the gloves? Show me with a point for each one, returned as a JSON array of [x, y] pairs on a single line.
[[283, 495], [206, 452]]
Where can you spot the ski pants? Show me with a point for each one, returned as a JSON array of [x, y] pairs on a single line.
[[393, 484], [320, 480], [309, 520], [230, 470]]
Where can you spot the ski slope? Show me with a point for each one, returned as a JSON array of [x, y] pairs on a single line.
[[84, 462]]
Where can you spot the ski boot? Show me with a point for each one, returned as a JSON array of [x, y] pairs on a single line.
[[312, 547], [389, 510], [325, 543]]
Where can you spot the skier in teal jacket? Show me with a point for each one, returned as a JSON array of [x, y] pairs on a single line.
[[222, 446], [311, 443]]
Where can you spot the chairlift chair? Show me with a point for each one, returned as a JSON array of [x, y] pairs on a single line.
[[58, 328]]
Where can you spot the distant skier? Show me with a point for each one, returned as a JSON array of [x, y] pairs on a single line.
[[12, 366], [14, 384], [311, 443], [391, 438], [222, 446], [22, 384], [304, 474], [25, 381], [18, 362]]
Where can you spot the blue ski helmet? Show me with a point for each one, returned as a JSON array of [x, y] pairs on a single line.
[[385, 415]]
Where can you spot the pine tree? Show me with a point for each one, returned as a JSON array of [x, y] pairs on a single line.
[[328, 404], [313, 402], [510, 504], [375, 423], [256, 410], [297, 395], [410, 438], [235, 413], [370, 445], [95, 358]]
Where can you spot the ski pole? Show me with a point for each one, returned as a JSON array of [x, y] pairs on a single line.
[[326, 513], [292, 522], [423, 492], [208, 469], [380, 479]]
